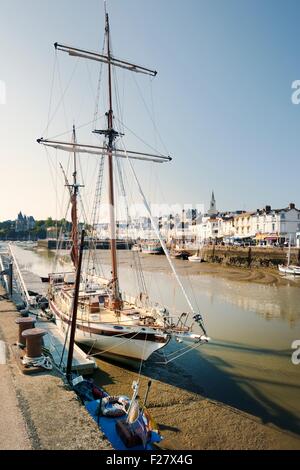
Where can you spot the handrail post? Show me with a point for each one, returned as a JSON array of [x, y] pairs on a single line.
[[10, 279]]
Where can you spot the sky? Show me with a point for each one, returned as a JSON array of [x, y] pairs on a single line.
[[221, 99]]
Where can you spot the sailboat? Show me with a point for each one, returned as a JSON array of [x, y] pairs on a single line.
[[289, 268], [197, 257], [108, 320]]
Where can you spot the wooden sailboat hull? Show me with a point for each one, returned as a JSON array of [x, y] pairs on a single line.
[[134, 342]]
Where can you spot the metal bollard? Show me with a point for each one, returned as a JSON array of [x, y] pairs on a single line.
[[26, 323], [34, 342]]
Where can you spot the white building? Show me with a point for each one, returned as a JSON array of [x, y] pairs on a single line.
[[243, 226], [267, 226], [276, 225], [208, 229]]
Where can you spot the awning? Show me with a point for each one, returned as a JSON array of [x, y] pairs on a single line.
[[267, 236]]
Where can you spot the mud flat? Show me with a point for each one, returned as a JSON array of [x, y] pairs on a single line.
[[267, 275], [189, 421], [39, 411]]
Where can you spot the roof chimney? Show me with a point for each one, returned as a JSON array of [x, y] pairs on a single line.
[[292, 205], [268, 209]]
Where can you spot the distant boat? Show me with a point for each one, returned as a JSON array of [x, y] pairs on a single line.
[[290, 269], [180, 254], [197, 257], [152, 248]]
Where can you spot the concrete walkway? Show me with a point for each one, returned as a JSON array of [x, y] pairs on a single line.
[[39, 411], [13, 432]]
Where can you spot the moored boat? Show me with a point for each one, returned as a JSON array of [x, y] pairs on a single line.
[[151, 248], [195, 258], [289, 269], [106, 319]]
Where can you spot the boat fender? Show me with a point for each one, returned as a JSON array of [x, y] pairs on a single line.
[[114, 406], [97, 392]]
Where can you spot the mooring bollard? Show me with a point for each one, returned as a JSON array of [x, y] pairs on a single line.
[[26, 323], [34, 342]]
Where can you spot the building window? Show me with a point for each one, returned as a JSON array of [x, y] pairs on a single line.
[[273, 227], [283, 215]]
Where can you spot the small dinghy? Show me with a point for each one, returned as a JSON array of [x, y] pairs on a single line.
[[290, 269], [125, 423], [195, 259]]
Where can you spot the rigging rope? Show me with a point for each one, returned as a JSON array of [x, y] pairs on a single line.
[[182, 354]]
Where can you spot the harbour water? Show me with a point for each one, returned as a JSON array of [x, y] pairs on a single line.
[[248, 363]]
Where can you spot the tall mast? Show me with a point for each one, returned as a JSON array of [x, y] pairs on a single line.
[[74, 216], [116, 301], [110, 150], [183, 228]]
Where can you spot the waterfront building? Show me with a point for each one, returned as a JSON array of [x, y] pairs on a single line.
[[273, 226], [227, 226], [243, 226], [266, 226], [209, 229]]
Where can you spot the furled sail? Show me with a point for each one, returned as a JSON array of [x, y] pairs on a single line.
[[74, 249]]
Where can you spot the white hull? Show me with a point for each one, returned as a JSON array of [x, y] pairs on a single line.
[[292, 270], [115, 340], [195, 259]]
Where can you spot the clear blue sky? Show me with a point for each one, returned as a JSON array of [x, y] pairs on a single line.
[[222, 96]]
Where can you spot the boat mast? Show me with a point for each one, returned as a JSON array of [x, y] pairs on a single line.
[[110, 150], [111, 134], [183, 228], [74, 215], [289, 251], [74, 309]]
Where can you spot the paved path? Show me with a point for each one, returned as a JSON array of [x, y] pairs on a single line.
[[13, 433], [38, 411]]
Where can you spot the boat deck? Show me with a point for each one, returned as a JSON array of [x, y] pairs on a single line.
[[54, 343]]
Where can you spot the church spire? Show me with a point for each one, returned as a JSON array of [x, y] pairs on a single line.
[[213, 207]]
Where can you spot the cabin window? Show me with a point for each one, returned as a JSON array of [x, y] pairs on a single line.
[[118, 327], [101, 299]]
